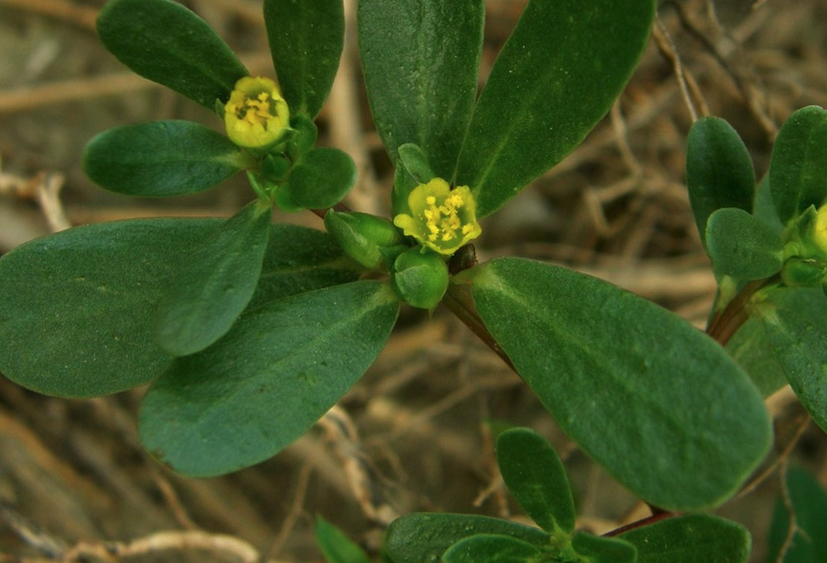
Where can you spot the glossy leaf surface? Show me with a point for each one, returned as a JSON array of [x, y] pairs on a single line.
[[742, 246], [799, 163], [306, 40], [162, 158], [555, 78], [620, 374], [489, 548], [77, 307], [167, 43], [336, 546], [216, 284], [719, 172], [321, 178], [423, 538], [809, 502], [534, 474], [265, 383], [420, 60], [795, 327], [597, 549], [697, 538]]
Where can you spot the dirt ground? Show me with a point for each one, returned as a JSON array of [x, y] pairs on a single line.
[[74, 480]]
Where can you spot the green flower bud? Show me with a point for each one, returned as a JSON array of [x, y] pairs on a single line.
[[801, 272], [362, 236], [420, 279]]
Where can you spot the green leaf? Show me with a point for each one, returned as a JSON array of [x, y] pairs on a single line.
[[416, 163], [534, 474], [798, 167], [168, 44], [556, 77], [809, 503], [620, 374], [420, 60], [719, 171], [742, 246], [423, 538], [265, 383], [162, 158], [216, 284], [306, 41], [751, 349], [598, 549], [321, 178], [795, 327], [77, 308], [490, 548], [336, 546], [697, 538]]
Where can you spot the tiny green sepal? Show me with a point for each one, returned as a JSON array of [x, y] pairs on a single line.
[[420, 278], [304, 138], [803, 272], [362, 236], [415, 162]]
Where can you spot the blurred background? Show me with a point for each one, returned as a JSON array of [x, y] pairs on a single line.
[[413, 434]]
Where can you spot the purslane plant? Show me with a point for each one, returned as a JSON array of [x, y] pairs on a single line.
[[249, 331]]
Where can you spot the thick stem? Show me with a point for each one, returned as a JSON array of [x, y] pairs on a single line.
[[726, 323], [656, 516]]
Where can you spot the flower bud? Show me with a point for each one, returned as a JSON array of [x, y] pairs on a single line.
[[442, 219], [801, 272], [819, 230], [362, 236], [420, 279], [256, 116]]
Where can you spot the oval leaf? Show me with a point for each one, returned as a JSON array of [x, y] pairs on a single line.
[[742, 246], [321, 178], [420, 59], [423, 538], [809, 503], [263, 385], [306, 40], [556, 77], [336, 546], [212, 290], [162, 158], [620, 374], [534, 474], [77, 307], [795, 328], [719, 171], [697, 538], [597, 549], [167, 43], [489, 548], [799, 163]]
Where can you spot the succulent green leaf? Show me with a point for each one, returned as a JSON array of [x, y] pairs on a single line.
[[306, 41], [697, 538], [265, 383], [597, 549], [336, 546], [795, 327], [420, 60], [555, 78], [416, 163], [751, 349], [162, 158], [620, 374], [719, 172], [534, 474], [424, 538], [742, 246], [216, 284], [809, 503], [799, 163], [167, 43], [321, 178], [491, 548], [77, 307]]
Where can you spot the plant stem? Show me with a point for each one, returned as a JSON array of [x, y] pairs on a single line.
[[727, 322], [657, 516]]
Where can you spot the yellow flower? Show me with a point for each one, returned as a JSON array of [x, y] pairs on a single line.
[[820, 229], [256, 115], [442, 219]]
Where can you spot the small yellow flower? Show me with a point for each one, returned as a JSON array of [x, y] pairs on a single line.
[[256, 115], [442, 219]]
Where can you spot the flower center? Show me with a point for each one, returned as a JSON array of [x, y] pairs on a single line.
[[256, 111], [443, 221]]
